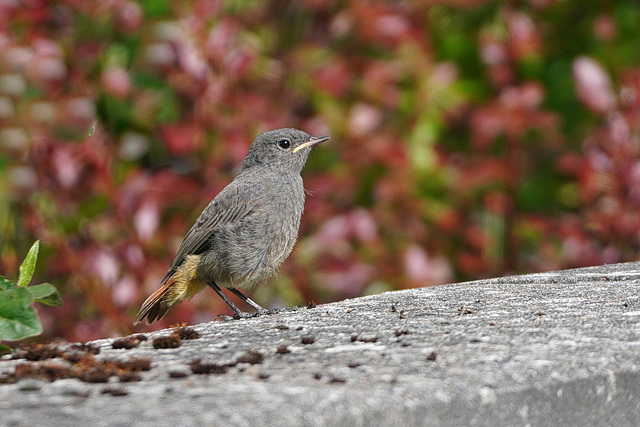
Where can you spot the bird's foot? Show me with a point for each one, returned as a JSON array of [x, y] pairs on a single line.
[[263, 312], [287, 309], [236, 316], [244, 315]]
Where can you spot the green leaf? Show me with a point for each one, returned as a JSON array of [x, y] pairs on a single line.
[[5, 349], [28, 266], [41, 291], [18, 319], [45, 293], [6, 283]]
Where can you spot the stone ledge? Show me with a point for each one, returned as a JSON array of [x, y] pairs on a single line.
[[560, 348]]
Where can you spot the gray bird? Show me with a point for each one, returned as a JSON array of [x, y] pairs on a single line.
[[246, 231]]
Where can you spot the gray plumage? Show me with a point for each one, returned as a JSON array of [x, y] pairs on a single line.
[[247, 230]]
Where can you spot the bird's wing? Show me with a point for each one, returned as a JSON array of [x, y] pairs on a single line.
[[231, 205]]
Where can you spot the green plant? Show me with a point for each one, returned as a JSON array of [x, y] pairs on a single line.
[[18, 319]]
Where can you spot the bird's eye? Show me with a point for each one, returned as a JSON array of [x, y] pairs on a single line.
[[284, 144]]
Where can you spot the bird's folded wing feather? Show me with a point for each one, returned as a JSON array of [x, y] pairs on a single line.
[[231, 205]]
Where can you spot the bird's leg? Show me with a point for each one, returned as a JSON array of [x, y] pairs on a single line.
[[238, 313], [261, 310]]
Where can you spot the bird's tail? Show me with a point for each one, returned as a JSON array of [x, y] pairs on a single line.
[[176, 287]]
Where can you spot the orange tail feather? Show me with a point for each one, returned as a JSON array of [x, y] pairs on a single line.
[[180, 286], [156, 306]]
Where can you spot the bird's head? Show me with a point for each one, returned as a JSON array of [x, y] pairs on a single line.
[[282, 148]]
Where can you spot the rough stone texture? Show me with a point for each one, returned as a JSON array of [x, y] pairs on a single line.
[[560, 348]]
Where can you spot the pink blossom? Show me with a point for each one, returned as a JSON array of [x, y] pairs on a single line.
[[593, 85], [422, 269], [146, 219], [364, 119]]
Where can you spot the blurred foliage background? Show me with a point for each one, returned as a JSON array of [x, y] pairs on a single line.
[[470, 138]]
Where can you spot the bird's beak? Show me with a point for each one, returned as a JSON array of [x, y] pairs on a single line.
[[310, 143]]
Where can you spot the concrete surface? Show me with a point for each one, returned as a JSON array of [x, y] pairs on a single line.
[[560, 348]]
